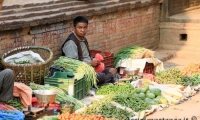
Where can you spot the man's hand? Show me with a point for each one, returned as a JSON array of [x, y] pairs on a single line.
[[94, 63]]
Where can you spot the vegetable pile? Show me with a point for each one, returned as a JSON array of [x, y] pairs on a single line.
[[192, 80], [191, 69], [78, 67], [105, 109], [172, 93], [150, 96], [121, 88], [61, 94], [170, 76], [135, 52], [16, 103], [135, 103]]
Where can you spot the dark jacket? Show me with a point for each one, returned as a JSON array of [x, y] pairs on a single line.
[[77, 42]]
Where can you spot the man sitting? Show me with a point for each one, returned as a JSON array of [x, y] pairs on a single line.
[[76, 47]]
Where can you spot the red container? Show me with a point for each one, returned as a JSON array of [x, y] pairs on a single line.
[[149, 68], [35, 103], [108, 57]]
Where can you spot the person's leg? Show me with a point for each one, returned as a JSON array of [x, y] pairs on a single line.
[[100, 78], [109, 74], [6, 85]]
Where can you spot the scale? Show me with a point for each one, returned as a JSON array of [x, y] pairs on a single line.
[[131, 74], [45, 97]]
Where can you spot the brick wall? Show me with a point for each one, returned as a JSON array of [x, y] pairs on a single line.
[[177, 6], [109, 32]]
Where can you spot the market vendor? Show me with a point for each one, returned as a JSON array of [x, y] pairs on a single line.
[[6, 84], [76, 47]]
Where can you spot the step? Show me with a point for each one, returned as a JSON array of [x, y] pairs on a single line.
[[163, 55], [53, 11], [187, 47], [25, 19], [15, 6], [41, 7], [60, 16]]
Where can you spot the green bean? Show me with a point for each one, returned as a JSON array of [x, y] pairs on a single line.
[[132, 102], [16, 103], [122, 88]]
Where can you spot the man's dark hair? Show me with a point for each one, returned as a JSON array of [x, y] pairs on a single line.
[[80, 19]]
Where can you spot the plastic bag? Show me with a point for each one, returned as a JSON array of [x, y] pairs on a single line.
[[24, 92], [101, 66], [11, 115]]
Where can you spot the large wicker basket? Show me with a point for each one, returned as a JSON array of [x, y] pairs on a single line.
[[27, 73]]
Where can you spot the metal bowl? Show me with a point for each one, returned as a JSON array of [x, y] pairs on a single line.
[[132, 71], [45, 96]]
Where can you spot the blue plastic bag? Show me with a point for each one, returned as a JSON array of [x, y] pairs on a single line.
[[11, 115]]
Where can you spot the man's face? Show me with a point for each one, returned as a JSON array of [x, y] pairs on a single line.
[[81, 29]]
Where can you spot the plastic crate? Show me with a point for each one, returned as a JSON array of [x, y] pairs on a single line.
[[56, 69], [74, 85], [108, 57], [149, 68]]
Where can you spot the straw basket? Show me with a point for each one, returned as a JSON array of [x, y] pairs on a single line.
[[27, 73]]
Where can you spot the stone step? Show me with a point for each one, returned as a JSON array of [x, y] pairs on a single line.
[[57, 17], [18, 6], [41, 7], [23, 14], [193, 54], [34, 18], [186, 47], [163, 55]]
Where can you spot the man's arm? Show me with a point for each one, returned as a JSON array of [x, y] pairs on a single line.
[[70, 49]]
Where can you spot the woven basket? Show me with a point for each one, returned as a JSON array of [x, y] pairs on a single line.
[[27, 73]]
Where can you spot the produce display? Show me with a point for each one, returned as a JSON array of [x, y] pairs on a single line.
[[195, 79], [78, 67], [191, 69], [109, 111], [192, 80], [16, 103], [129, 100], [122, 100], [129, 52], [150, 96], [61, 95], [170, 76], [171, 92], [121, 88]]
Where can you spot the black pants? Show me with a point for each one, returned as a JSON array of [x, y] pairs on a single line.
[[104, 77]]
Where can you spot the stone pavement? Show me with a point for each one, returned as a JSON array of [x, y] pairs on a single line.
[[178, 59], [188, 109]]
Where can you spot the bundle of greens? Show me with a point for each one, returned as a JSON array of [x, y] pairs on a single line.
[[135, 52], [78, 67]]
